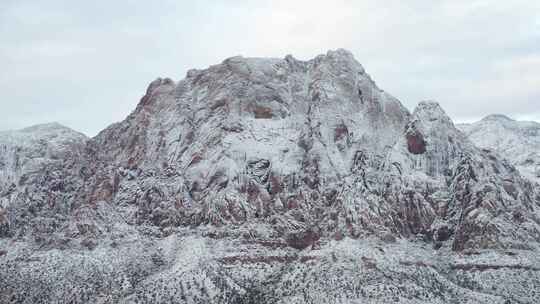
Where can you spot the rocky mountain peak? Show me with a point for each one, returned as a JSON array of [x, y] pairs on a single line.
[[260, 180], [342, 57], [159, 83], [497, 117], [53, 135], [517, 141], [43, 130], [431, 135], [52, 126], [431, 112]]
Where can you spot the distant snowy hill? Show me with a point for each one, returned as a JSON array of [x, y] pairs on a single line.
[[517, 141], [29, 151]]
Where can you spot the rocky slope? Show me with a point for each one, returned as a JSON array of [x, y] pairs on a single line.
[[517, 141], [268, 181], [36, 174]]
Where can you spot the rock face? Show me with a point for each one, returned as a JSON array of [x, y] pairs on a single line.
[[38, 178], [517, 141], [301, 176]]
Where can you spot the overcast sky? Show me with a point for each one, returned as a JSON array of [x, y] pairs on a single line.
[[86, 64]]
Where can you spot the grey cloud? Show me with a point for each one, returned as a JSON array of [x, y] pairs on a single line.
[[86, 64]]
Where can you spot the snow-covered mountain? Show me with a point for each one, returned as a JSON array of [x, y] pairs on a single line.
[[266, 181], [30, 150], [517, 141]]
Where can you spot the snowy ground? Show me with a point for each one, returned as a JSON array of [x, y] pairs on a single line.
[[187, 267]]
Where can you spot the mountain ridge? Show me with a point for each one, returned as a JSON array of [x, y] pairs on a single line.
[[269, 172], [517, 141]]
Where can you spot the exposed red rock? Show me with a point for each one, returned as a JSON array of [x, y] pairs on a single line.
[[416, 143]]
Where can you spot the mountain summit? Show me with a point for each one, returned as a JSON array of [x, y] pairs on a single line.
[[517, 141], [262, 180]]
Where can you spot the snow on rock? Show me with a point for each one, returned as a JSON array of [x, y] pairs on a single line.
[[266, 180], [25, 151], [37, 172], [517, 141]]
